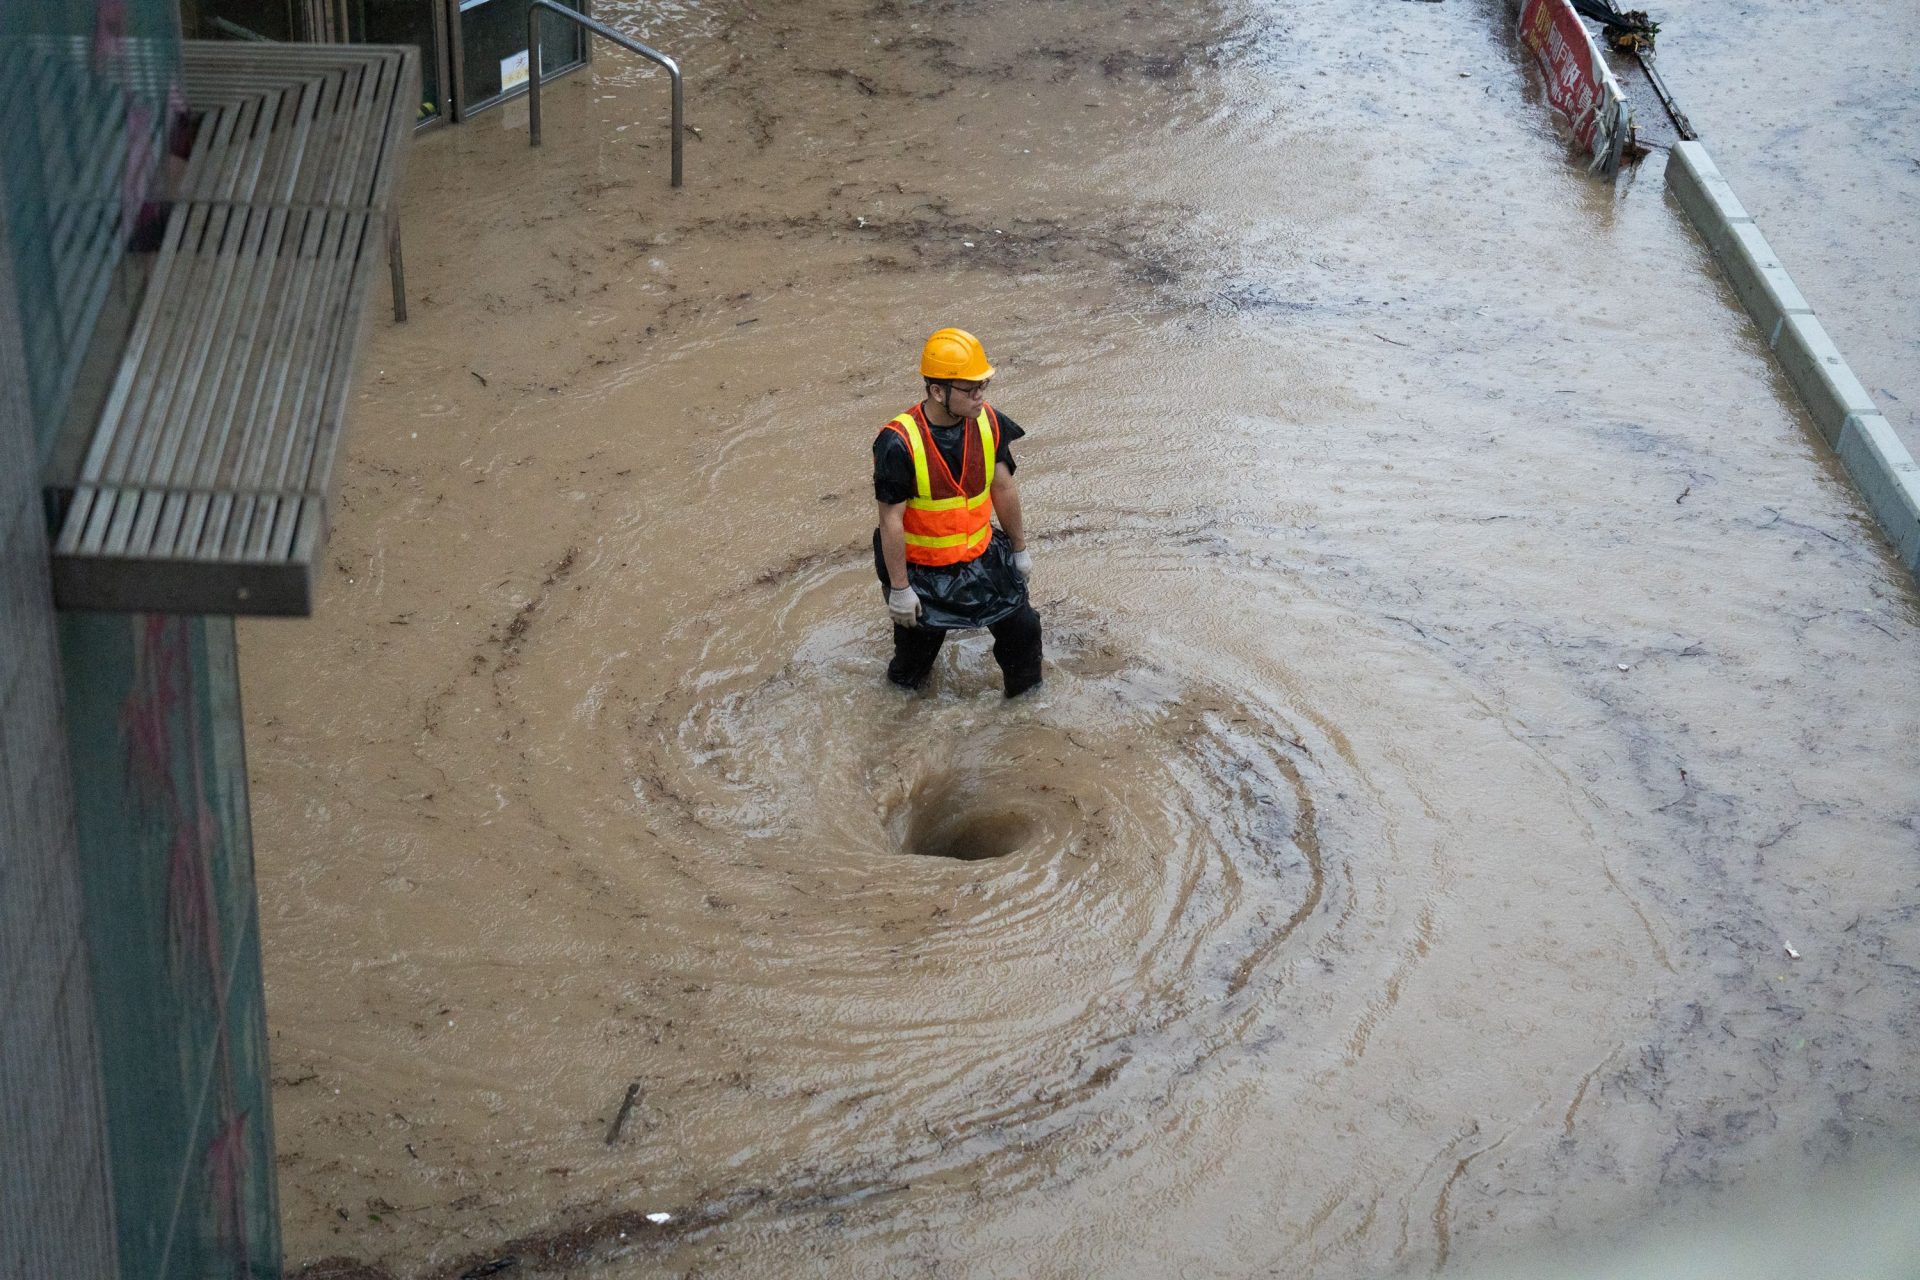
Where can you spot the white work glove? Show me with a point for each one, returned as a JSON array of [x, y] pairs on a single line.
[[903, 606], [1023, 564]]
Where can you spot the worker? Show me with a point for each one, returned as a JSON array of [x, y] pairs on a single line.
[[941, 471]]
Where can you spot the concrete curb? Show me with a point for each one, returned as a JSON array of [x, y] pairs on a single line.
[[1881, 468]]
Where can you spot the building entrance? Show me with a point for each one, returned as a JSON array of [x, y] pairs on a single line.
[[473, 53]]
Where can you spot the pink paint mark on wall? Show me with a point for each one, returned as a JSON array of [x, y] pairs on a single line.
[[166, 775], [146, 715], [228, 1157]]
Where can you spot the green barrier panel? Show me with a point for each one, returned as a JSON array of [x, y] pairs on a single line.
[[172, 921], [92, 97]]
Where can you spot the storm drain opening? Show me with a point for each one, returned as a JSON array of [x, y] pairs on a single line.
[[947, 820]]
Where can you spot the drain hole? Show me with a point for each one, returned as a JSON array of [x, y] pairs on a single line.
[[968, 837]]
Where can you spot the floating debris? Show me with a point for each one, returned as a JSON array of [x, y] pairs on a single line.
[[626, 1105]]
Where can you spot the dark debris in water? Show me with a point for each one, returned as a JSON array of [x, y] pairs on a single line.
[[341, 1269], [932, 234], [1247, 295], [492, 1268], [1154, 57]]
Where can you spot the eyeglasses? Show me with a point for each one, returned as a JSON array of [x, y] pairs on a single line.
[[975, 392]]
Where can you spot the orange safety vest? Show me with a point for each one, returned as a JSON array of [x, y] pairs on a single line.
[[949, 520]]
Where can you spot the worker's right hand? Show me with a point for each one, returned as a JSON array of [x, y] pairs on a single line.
[[903, 606]]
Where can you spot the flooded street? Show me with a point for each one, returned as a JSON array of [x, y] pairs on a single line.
[[1467, 675]]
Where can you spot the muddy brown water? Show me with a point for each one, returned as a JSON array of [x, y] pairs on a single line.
[[1467, 673]]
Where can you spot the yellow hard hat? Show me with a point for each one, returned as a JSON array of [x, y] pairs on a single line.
[[954, 353]]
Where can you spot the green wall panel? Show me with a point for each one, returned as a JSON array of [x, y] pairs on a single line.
[[91, 97], [172, 920]]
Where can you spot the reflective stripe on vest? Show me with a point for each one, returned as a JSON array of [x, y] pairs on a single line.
[[955, 527]]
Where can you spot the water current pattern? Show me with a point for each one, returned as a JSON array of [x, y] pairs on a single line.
[[1467, 674]]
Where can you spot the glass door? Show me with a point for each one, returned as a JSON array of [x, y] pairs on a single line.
[[238, 19], [421, 23], [490, 50]]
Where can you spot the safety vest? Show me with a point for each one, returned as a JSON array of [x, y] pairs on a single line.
[[949, 520]]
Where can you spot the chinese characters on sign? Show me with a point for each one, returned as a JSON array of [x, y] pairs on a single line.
[[1579, 85]]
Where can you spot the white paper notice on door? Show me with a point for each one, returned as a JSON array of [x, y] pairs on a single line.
[[513, 71]]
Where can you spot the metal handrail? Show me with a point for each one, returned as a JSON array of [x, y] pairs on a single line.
[[599, 29]]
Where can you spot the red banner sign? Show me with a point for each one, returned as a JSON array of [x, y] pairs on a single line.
[[1579, 85]]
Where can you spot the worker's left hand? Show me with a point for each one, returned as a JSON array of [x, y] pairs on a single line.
[[1023, 564]]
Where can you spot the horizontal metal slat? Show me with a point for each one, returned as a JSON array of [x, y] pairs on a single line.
[[207, 484]]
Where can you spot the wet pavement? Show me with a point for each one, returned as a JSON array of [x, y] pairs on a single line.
[[1467, 675], [1811, 112]]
